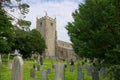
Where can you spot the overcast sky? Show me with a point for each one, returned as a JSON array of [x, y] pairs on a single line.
[[61, 9]]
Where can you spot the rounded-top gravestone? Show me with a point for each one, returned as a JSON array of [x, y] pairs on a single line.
[[17, 68]]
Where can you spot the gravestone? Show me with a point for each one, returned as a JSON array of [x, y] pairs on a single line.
[[8, 62], [41, 60], [103, 72], [32, 73], [44, 75], [48, 71], [38, 67], [85, 66], [59, 71], [67, 61], [17, 68], [38, 59], [35, 64], [72, 66], [80, 73], [89, 70], [95, 74]]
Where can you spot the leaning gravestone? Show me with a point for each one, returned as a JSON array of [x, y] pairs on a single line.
[[44, 75], [95, 74], [59, 71], [17, 68]]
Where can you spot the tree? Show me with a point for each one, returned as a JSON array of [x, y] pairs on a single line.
[[7, 30], [95, 31], [37, 42], [6, 33], [29, 42]]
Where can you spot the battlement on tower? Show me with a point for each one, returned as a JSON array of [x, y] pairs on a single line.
[[46, 17]]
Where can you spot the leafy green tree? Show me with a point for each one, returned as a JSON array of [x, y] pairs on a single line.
[[29, 42], [95, 31], [6, 33], [7, 30], [37, 42]]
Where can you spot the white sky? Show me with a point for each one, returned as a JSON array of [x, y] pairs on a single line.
[[61, 9]]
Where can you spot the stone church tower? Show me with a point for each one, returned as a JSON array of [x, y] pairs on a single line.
[[47, 27]]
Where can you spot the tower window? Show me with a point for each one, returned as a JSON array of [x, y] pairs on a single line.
[[40, 23], [51, 24]]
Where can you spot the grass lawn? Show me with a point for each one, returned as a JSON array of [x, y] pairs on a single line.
[[5, 72]]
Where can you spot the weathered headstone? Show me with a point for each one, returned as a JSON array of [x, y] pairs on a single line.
[[59, 71], [17, 68], [35, 65], [32, 73], [103, 72], [8, 62], [41, 60], [67, 61], [48, 71], [80, 73], [44, 75], [38, 67], [72, 66], [95, 74], [38, 59], [85, 66]]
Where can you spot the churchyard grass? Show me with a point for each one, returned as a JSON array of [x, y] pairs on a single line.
[[5, 73]]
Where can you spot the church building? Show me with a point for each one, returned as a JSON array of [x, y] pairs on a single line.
[[54, 48]]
